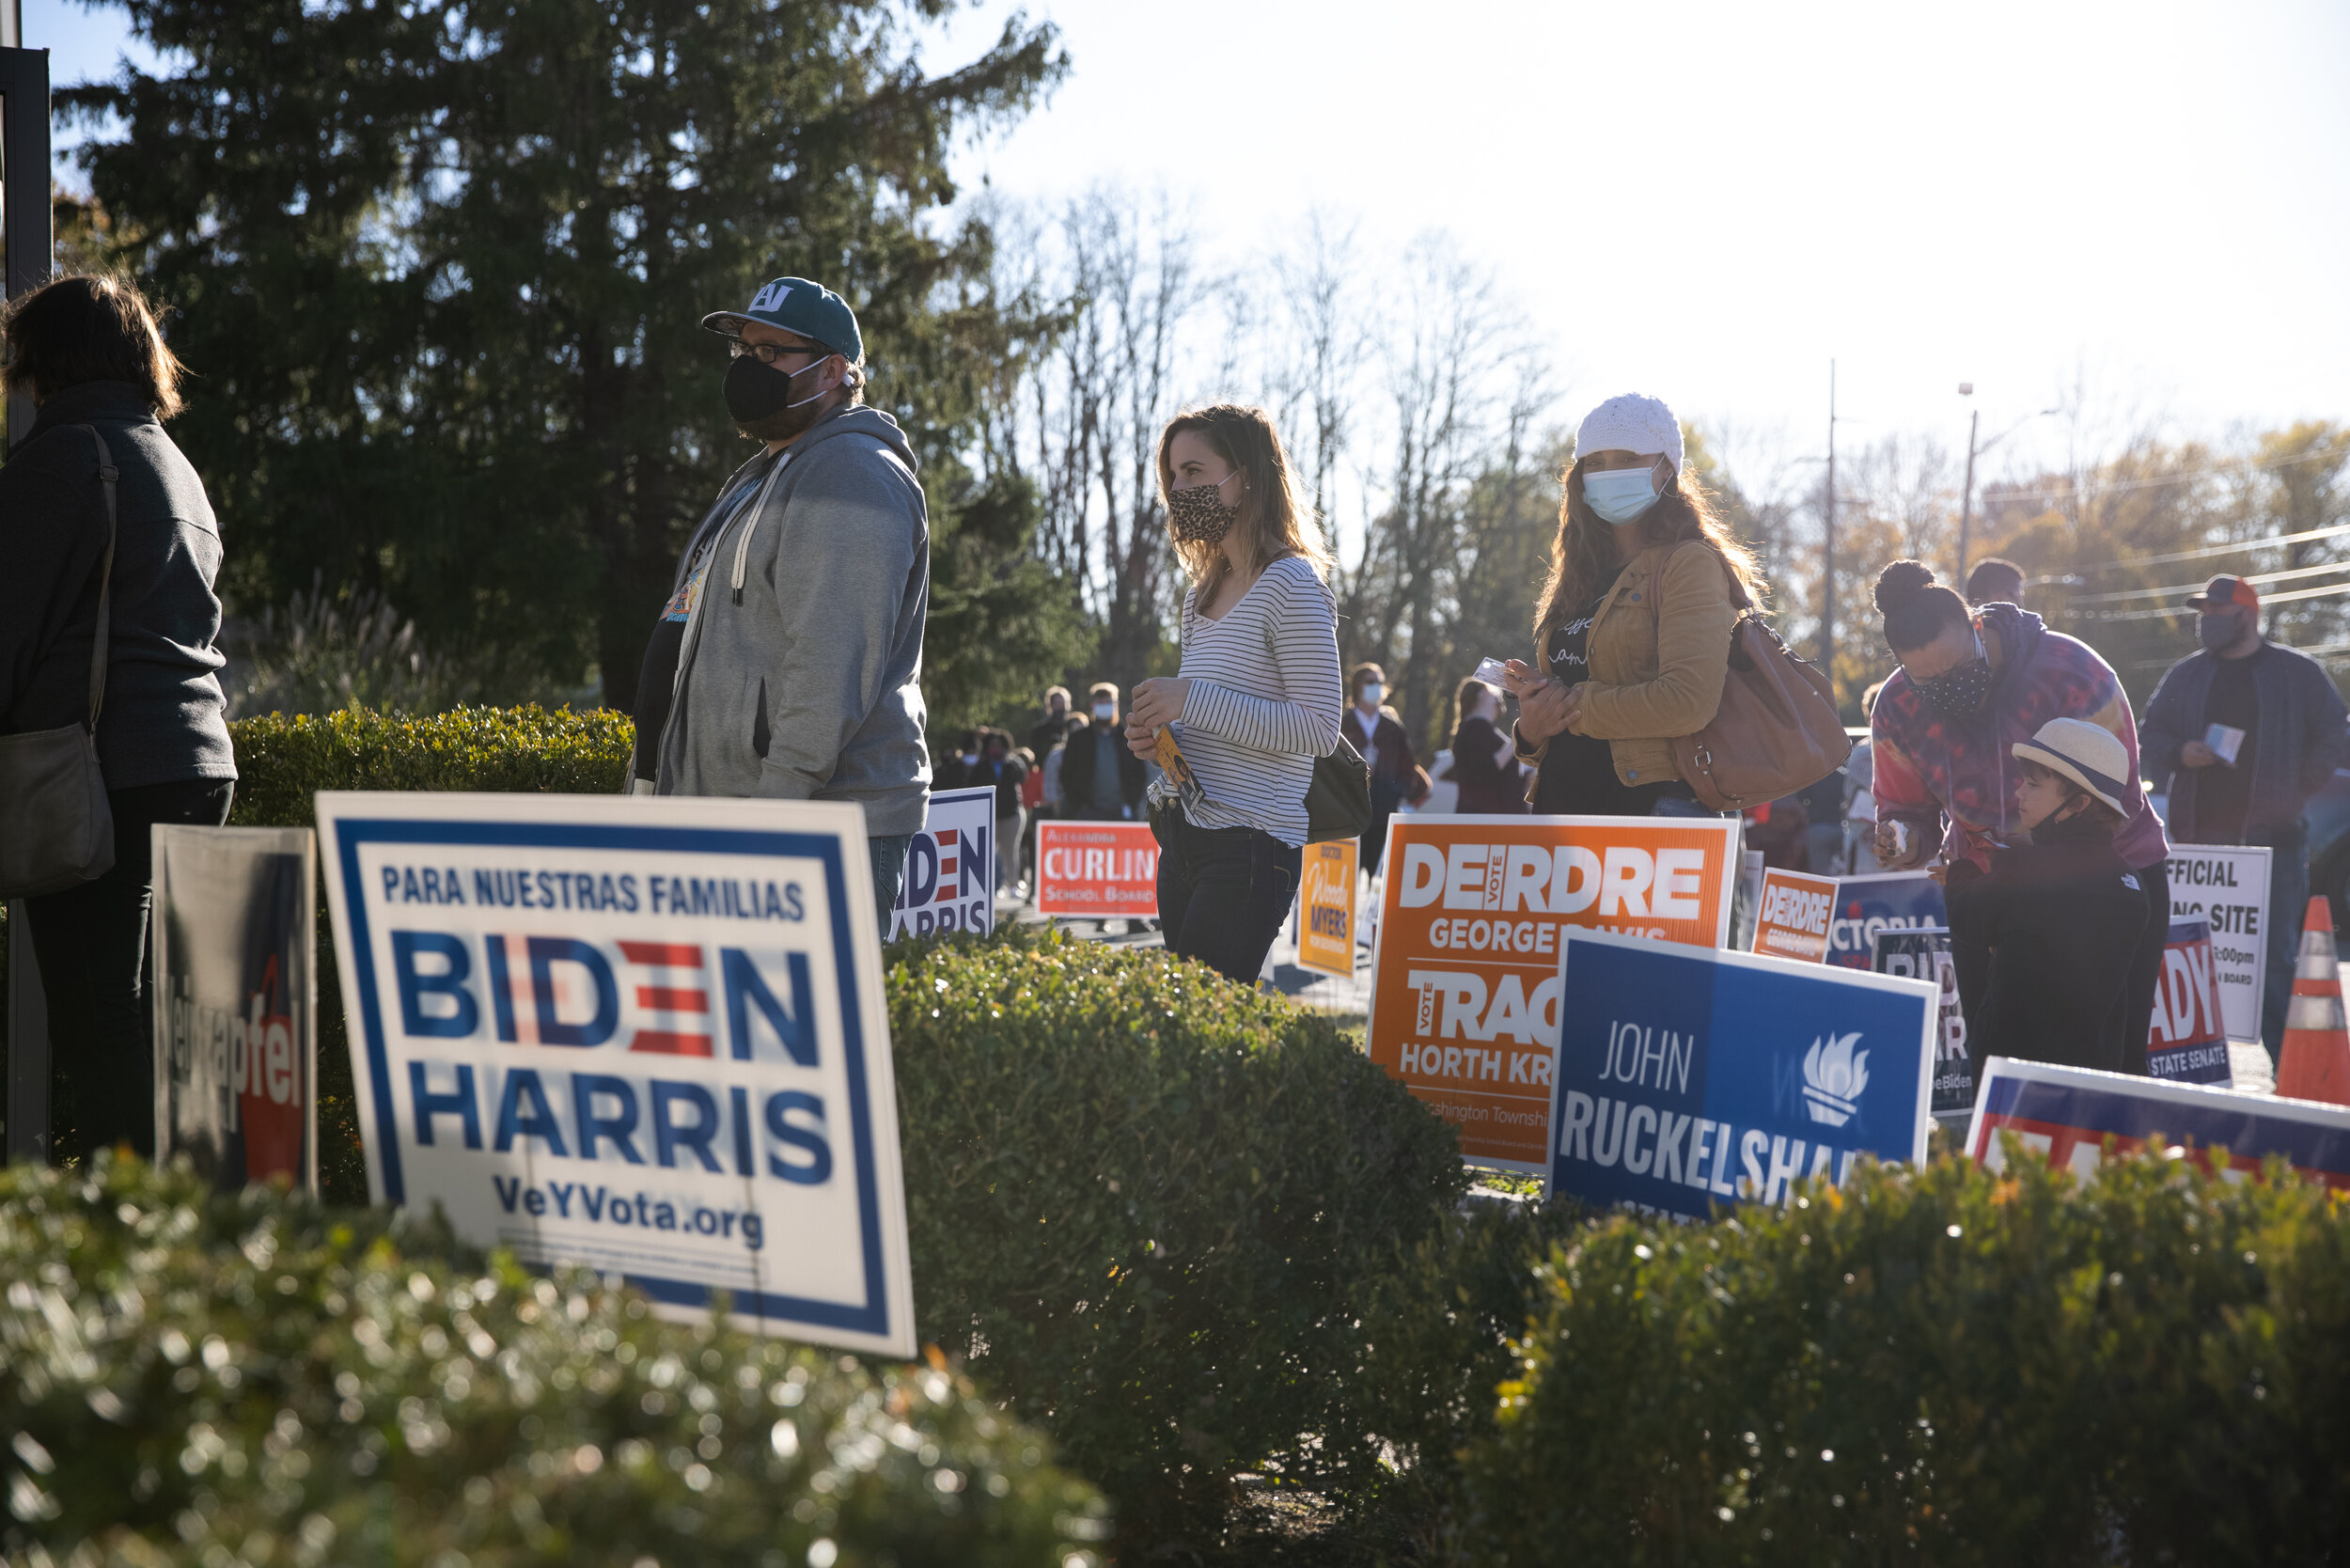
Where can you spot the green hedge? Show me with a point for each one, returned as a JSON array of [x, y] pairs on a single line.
[[192, 1378], [282, 760], [1947, 1366], [1156, 1211]]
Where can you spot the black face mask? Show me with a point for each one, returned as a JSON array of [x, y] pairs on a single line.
[[1960, 690], [2216, 632], [754, 391]]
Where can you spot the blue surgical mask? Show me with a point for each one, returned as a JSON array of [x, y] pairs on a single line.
[[1621, 494]]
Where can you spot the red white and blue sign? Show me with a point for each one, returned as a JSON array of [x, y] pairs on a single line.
[[1881, 901], [1695, 1077], [2067, 1116], [2187, 1035], [949, 882], [643, 1036]]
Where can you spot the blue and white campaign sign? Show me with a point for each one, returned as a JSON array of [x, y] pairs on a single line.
[[949, 883], [2067, 1116], [1881, 901], [1923, 952], [646, 1036], [1692, 1076]]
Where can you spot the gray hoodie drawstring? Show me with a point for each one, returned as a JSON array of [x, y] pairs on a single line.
[[759, 506]]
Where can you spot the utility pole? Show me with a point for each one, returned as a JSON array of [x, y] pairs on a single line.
[[1966, 496], [11, 23], [1827, 550]]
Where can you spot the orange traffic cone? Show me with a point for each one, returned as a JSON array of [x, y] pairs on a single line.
[[2316, 1060]]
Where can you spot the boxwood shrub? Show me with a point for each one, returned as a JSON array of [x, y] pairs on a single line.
[[1156, 1210], [1949, 1366], [188, 1377]]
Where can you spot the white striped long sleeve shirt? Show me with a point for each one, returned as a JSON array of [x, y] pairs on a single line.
[[1264, 700]]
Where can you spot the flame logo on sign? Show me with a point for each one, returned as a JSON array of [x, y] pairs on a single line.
[[1834, 1075]]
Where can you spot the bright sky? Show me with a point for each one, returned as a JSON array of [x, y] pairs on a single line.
[[1996, 191]]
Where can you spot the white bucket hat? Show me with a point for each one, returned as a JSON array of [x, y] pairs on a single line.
[[2089, 754]]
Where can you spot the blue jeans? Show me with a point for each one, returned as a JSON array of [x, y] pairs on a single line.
[[1223, 892], [889, 873], [2288, 901]]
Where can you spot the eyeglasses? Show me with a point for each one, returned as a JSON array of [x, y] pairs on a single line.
[[768, 353]]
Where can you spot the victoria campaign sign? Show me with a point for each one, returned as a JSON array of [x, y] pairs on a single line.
[[950, 867], [642, 1035], [2227, 884], [236, 1001], [1689, 1079], [1464, 977], [2065, 1115], [1097, 870], [1881, 901]]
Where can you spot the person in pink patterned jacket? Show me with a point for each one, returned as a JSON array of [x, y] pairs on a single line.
[[1972, 683]]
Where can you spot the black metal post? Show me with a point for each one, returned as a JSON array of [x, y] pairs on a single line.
[[25, 218]]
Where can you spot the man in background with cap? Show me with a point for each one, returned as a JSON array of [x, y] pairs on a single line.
[[2245, 731], [787, 662]]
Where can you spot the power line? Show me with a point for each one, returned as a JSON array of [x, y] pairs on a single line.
[[2173, 612], [2192, 587], [2207, 552], [2114, 487]]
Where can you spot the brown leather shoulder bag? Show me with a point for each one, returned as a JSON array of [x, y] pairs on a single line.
[[1777, 729]]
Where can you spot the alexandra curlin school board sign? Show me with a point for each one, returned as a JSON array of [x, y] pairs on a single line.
[[643, 1036]]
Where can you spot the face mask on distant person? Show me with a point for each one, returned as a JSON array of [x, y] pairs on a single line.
[[1373, 693], [755, 391], [1958, 690], [1199, 515], [1105, 711], [1621, 494], [2216, 632]]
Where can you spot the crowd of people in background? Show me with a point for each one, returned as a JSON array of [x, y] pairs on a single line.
[[786, 664]]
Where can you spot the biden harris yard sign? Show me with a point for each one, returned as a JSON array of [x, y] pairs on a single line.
[[643, 1036], [1690, 1077]]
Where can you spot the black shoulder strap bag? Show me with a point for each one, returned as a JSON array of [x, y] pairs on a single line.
[[56, 830]]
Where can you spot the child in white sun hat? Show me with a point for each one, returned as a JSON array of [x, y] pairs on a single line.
[[2062, 912]]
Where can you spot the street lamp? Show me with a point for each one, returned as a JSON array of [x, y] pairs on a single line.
[[1966, 495]]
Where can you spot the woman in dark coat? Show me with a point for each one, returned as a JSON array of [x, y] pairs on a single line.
[[88, 352], [1484, 760]]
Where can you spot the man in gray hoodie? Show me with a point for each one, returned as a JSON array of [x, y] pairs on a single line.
[[799, 602]]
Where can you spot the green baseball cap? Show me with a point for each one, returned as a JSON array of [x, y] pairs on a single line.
[[797, 305]]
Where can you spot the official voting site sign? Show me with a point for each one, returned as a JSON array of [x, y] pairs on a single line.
[[949, 880], [2065, 1115], [1325, 908], [1924, 953], [1097, 870], [1881, 901], [1465, 976], [236, 1001], [642, 1035], [1689, 1079], [2227, 886], [2188, 1041], [1792, 915]]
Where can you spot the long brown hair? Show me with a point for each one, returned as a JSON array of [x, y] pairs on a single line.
[[1584, 553], [1276, 519]]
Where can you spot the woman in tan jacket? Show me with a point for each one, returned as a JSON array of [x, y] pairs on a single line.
[[1633, 631]]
